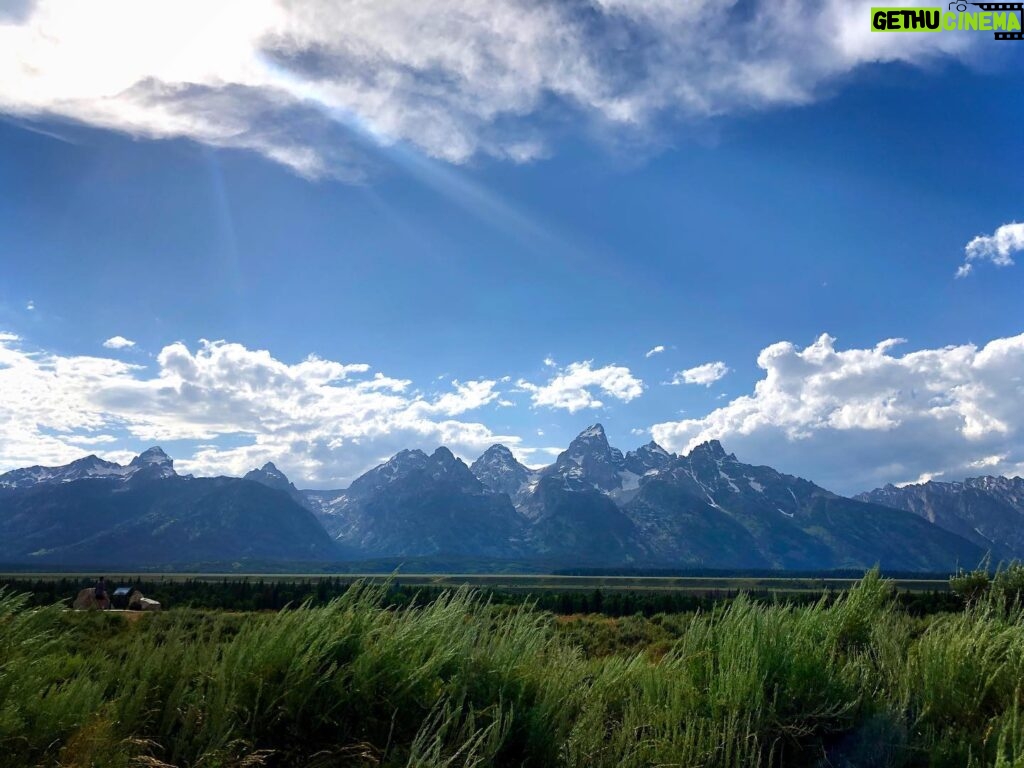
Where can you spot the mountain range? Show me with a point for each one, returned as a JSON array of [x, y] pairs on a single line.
[[592, 507], [95, 512], [988, 511]]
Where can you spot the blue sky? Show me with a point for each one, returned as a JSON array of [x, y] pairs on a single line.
[[534, 249]]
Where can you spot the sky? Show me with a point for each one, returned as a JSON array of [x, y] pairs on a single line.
[[318, 233]]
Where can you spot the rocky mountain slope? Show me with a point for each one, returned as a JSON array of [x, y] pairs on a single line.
[[270, 476], [595, 505], [93, 512], [988, 511], [709, 508], [415, 505], [500, 472]]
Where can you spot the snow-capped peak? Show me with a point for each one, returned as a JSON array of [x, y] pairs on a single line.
[[500, 472], [594, 430], [154, 455], [589, 462], [271, 469], [497, 452], [152, 463], [648, 458], [713, 450]]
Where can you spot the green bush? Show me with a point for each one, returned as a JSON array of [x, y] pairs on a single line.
[[971, 585]]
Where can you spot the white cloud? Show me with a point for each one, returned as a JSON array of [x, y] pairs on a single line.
[[858, 418], [706, 374], [998, 248], [655, 350], [321, 420], [849, 419], [467, 396], [573, 388], [309, 84], [118, 342], [924, 477], [988, 461]]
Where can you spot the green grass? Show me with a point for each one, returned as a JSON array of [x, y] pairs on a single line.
[[848, 681]]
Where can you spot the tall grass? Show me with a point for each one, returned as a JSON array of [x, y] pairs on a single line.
[[846, 682]]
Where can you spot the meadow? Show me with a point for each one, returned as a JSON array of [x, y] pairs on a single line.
[[849, 678]]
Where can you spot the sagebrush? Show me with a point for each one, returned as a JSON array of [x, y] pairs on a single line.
[[848, 681]]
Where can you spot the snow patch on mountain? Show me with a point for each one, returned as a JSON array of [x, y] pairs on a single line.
[[152, 463]]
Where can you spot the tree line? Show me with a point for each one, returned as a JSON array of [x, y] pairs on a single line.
[[270, 594]]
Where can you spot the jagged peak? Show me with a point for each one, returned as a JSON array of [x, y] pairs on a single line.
[[267, 470], [92, 460], [151, 456], [653, 447], [442, 453], [712, 449], [590, 441], [406, 453], [593, 431], [497, 450], [499, 471], [151, 463], [499, 455], [992, 480]]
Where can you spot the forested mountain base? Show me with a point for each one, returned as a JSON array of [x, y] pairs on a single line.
[[851, 680]]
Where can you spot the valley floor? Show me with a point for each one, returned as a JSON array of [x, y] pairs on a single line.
[[849, 680]]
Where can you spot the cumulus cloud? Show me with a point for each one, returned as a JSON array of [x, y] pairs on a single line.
[[118, 342], [310, 84], [858, 418], [850, 419], [323, 421], [573, 387], [706, 374], [655, 350], [998, 248]]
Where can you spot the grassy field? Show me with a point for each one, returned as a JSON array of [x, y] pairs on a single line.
[[849, 680]]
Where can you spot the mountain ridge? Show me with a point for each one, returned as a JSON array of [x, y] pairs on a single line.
[[147, 514], [987, 510], [593, 506]]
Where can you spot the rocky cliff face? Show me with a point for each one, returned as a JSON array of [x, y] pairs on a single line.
[[417, 505], [988, 511]]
